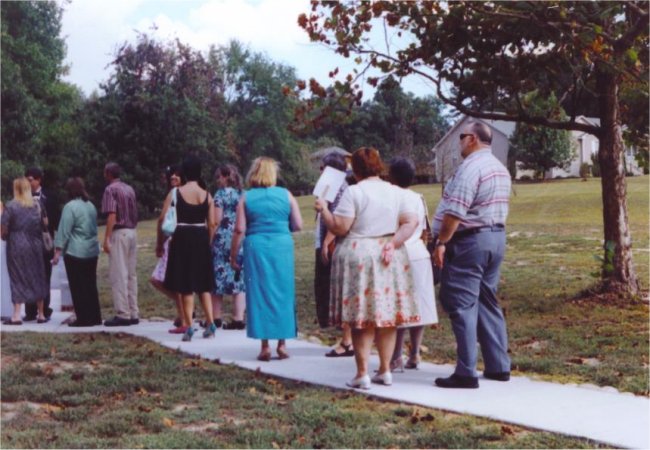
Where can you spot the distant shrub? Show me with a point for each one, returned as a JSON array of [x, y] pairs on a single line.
[[585, 170], [525, 178], [595, 167]]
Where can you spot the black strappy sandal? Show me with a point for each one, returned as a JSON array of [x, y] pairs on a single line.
[[349, 351]]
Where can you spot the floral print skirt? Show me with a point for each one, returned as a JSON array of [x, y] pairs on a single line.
[[161, 267], [365, 292], [224, 275]]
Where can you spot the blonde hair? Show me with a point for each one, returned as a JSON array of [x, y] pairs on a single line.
[[263, 172], [23, 192]]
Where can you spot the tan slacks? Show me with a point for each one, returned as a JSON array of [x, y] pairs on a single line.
[[121, 266]]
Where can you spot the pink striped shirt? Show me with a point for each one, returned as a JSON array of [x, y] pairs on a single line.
[[478, 193], [119, 198]]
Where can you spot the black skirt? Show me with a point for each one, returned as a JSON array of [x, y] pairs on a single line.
[[189, 265]]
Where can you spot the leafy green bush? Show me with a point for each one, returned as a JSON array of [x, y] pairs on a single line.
[[595, 167]]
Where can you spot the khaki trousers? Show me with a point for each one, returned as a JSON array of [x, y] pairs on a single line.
[[121, 267]]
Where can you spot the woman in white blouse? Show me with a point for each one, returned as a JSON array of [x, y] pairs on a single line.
[[401, 173], [371, 284]]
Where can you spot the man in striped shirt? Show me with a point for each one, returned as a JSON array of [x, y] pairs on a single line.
[[469, 225], [120, 242]]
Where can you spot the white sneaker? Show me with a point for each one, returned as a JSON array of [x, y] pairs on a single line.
[[385, 378], [360, 383]]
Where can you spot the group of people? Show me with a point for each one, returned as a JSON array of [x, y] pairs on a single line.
[[380, 277], [373, 273], [237, 243], [29, 223]]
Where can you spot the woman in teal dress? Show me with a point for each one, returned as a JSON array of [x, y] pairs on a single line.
[[266, 216]]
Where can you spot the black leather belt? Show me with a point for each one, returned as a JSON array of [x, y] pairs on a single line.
[[470, 231]]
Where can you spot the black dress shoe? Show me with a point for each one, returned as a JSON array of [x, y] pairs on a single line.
[[134, 321], [29, 318], [12, 322], [77, 323], [117, 322], [234, 325], [498, 376], [458, 382], [48, 313]]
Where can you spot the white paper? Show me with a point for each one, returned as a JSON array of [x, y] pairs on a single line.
[[329, 183]]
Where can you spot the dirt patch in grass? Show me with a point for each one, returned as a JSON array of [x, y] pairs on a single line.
[[208, 427], [10, 410], [182, 407], [59, 367], [593, 296]]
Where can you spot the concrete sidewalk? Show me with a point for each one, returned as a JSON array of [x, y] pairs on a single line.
[[601, 414]]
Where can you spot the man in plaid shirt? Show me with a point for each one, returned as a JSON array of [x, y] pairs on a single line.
[[470, 228]]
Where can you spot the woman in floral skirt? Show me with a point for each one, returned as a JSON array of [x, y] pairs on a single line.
[[371, 283], [227, 281]]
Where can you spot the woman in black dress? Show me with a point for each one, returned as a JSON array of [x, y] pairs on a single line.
[[189, 268]]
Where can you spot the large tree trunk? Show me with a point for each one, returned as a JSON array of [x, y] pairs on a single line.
[[619, 276]]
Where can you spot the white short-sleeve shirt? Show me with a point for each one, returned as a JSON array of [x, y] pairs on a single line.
[[414, 245], [375, 206]]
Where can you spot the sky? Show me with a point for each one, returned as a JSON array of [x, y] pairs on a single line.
[[94, 29]]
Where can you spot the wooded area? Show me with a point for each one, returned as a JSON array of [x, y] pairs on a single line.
[[165, 99]]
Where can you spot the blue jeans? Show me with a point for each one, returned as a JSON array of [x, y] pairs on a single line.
[[468, 289]]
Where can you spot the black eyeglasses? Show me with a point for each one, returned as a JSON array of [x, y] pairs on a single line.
[[464, 135]]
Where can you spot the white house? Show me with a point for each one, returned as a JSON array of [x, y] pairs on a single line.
[[446, 153]]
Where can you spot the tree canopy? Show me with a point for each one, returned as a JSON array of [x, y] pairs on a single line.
[[540, 149], [485, 58], [38, 110]]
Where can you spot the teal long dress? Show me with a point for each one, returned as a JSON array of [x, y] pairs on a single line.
[[269, 265]]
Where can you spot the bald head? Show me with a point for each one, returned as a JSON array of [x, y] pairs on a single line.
[[481, 131]]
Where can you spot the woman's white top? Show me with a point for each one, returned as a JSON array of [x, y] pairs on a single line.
[[414, 245], [375, 206]]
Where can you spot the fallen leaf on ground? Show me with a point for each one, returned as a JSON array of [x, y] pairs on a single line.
[[77, 376]]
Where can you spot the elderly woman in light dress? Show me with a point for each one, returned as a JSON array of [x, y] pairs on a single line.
[[372, 288]]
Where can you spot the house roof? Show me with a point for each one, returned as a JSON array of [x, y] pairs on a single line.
[[319, 154], [507, 128], [502, 126]]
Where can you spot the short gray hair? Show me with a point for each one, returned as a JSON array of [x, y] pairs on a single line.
[[113, 169], [481, 130]]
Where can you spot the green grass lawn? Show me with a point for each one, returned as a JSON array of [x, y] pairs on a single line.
[[117, 391]]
